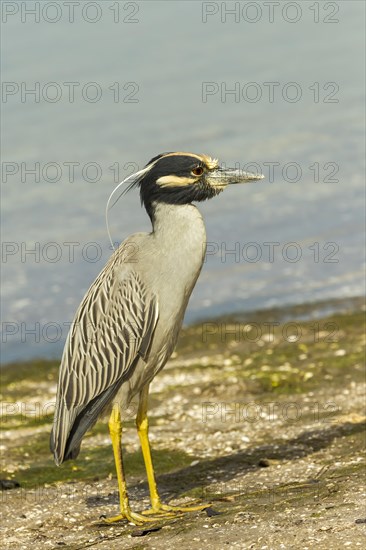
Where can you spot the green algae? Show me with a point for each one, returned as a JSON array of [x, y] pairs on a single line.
[[38, 467], [331, 354]]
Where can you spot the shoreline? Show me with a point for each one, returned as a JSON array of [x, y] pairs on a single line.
[[268, 430], [295, 312]]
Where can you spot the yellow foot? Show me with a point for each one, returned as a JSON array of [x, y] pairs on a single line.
[[161, 512], [168, 510], [131, 517]]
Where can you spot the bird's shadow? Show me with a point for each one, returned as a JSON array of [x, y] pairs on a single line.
[[225, 468]]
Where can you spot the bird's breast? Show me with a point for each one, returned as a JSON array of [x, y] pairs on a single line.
[[168, 261], [179, 244]]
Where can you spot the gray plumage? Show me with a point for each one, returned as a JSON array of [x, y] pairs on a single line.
[[128, 323]]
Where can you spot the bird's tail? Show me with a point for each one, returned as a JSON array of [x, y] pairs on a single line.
[[70, 425], [62, 424]]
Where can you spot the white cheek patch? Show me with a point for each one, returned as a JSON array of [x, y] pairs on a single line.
[[175, 181]]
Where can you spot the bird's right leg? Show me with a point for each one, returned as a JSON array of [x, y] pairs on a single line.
[[115, 430], [157, 507]]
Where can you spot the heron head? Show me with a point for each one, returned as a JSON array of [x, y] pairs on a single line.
[[182, 178]]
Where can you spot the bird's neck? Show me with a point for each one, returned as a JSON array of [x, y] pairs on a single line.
[[179, 228], [179, 238], [176, 220]]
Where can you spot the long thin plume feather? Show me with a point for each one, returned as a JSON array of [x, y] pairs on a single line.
[[136, 178]]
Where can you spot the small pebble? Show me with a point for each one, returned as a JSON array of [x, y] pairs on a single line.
[[7, 484], [211, 512]]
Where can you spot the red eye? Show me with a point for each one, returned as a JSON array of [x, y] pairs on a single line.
[[198, 171]]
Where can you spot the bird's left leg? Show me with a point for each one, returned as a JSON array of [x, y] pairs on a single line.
[[157, 507]]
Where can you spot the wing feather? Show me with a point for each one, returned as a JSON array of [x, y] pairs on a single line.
[[113, 326]]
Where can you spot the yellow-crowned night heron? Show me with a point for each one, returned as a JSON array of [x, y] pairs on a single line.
[[127, 325]]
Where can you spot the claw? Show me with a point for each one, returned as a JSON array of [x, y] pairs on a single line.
[[131, 517], [171, 511], [159, 512], [197, 508]]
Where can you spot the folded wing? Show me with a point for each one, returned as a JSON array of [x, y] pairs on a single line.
[[112, 329]]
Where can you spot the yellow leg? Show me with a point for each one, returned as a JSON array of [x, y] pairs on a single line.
[[142, 425], [115, 430], [157, 507]]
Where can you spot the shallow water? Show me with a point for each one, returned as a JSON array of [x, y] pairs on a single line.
[[168, 54]]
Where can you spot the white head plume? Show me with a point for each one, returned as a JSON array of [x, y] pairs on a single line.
[[134, 180]]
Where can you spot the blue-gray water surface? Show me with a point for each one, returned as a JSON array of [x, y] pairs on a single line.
[[282, 91]]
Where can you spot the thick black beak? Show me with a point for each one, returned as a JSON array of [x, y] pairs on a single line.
[[228, 176]]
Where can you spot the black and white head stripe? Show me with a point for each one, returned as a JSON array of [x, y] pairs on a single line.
[[166, 170]]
